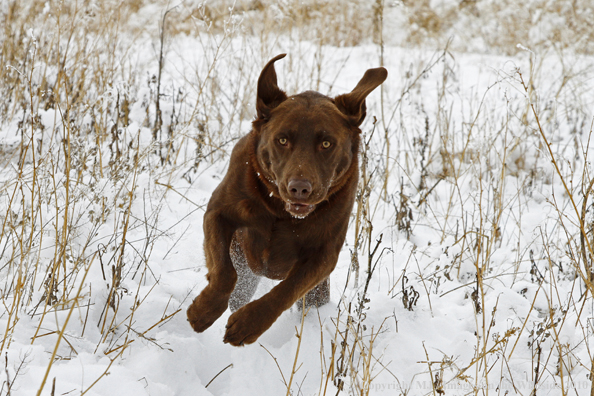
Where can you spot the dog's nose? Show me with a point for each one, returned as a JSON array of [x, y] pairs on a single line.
[[299, 188]]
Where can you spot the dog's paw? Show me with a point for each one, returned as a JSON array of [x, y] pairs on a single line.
[[205, 310], [248, 323]]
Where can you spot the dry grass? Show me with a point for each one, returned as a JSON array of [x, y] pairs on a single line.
[[324, 22], [499, 26]]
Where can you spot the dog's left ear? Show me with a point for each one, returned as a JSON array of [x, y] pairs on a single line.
[[269, 94], [353, 103]]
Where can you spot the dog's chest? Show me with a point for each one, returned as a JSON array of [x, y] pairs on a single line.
[[277, 248]]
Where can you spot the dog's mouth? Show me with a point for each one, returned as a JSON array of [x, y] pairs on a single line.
[[299, 210]]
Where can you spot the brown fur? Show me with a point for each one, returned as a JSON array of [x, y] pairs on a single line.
[[282, 209]]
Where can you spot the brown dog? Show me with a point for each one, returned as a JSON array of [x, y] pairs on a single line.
[[283, 208]]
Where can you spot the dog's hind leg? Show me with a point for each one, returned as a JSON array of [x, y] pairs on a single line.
[[317, 296], [247, 281]]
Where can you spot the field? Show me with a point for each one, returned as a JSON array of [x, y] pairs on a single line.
[[468, 266]]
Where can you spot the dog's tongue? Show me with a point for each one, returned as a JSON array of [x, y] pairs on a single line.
[[299, 210]]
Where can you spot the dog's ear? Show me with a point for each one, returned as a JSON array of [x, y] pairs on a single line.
[[353, 103], [269, 94]]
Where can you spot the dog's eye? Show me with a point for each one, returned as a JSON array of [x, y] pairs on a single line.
[[283, 141], [326, 144]]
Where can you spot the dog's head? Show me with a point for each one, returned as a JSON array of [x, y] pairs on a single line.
[[306, 143]]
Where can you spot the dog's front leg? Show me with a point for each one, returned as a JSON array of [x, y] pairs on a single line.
[[213, 300], [250, 321]]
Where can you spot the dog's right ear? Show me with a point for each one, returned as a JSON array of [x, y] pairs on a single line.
[[269, 94], [353, 103]]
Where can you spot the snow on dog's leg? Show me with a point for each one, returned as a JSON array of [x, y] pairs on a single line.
[[247, 281], [317, 296]]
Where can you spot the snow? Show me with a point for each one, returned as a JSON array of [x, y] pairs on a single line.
[[496, 208]]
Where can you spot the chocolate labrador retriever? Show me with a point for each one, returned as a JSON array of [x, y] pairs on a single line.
[[283, 208]]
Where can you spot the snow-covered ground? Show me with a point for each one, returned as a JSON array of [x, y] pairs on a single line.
[[470, 227]]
